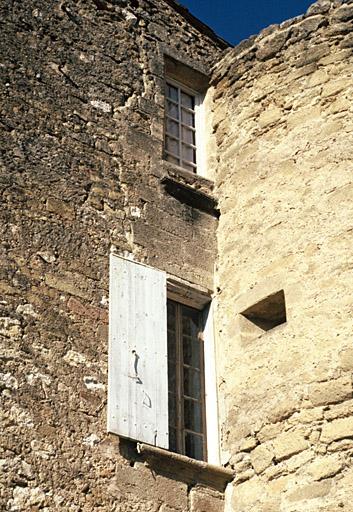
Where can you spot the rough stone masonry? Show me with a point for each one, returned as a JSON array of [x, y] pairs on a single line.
[[81, 171], [81, 120], [284, 180]]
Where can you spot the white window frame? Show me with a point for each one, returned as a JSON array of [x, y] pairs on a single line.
[[199, 125], [211, 397]]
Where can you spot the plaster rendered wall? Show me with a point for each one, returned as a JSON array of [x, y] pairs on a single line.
[[283, 123], [81, 127]]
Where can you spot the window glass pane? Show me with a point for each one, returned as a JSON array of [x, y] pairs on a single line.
[[171, 345], [192, 383], [172, 159], [171, 315], [192, 415], [190, 321], [171, 312], [172, 110], [191, 342], [172, 146], [172, 409], [172, 439], [187, 117], [187, 135], [172, 92], [187, 100], [191, 351], [188, 167], [173, 128], [171, 375], [194, 446], [188, 153]]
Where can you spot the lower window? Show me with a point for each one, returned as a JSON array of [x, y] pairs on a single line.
[[160, 349], [186, 388]]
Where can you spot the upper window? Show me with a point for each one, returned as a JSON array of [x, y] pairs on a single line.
[[180, 126], [184, 119]]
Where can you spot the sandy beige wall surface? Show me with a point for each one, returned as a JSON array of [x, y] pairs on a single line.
[[283, 122]]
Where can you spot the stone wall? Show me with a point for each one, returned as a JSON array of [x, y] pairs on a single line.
[[283, 122], [81, 166], [81, 172]]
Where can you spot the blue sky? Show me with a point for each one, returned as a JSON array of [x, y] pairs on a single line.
[[235, 20]]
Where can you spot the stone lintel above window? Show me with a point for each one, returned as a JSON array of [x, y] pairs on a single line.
[[185, 75]]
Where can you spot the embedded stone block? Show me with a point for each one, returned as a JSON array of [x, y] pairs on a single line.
[[60, 208], [333, 88], [346, 359], [270, 116], [325, 467], [310, 491], [262, 457], [248, 444], [323, 393], [337, 429], [10, 327], [288, 444], [344, 13], [204, 500]]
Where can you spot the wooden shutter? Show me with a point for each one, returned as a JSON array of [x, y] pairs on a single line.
[[138, 368]]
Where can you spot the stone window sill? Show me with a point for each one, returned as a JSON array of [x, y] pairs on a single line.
[[188, 177], [184, 468], [190, 189]]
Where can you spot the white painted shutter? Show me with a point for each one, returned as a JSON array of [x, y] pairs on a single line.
[[138, 365]]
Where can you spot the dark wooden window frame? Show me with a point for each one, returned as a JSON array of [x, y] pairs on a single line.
[[181, 397]]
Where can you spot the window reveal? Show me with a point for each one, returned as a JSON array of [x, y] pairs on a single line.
[[186, 397], [180, 127]]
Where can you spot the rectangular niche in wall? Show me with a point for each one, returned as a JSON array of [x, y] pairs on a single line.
[[263, 316]]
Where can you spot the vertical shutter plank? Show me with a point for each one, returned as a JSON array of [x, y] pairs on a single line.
[[138, 380]]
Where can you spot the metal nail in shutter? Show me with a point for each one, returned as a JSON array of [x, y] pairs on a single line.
[[138, 365]]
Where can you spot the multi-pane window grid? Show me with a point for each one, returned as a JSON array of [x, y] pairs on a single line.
[[180, 133], [187, 428]]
